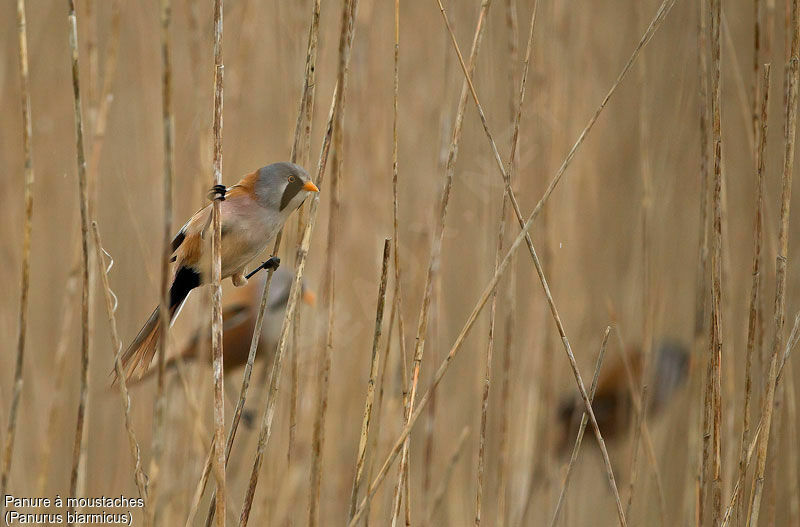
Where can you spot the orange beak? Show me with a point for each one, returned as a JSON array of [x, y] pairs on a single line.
[[311, 187], [309, 297]]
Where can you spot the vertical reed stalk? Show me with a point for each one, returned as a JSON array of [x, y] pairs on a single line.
[[83, 399], [755, 286], [8, 444], [655, 23], [487, 379], [516, 115], [396, 235], [323, 380], [695, 441], [659, 16], [373, 374], [712, 448], [306, 99], [302, 153], [301, 145], [398, 289], [444, 366], [516, 119], [265, 428], [216, 276], [757, 97], [509, 298], [794, 338], [168, 182], [780, 263], [266, 422], [97, 118], [436, 247]]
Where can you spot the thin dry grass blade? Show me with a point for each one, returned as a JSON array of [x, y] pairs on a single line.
[[515, 105], [755, 286], [59, 358], [793, 340], [166, 253], [638, 398], [756, 95], [487, 379], [373, 374], [435, 253], [790, 129], [581, 429], [346, 36], [266, 422], [398, 290], [302, 137], [654, 25], [398, 445], [139, 477], [441, 490], [396, 235], [701, 278], [663, 10], [77, 458], [8, 444]]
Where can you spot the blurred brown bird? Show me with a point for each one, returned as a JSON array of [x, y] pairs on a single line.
[[252, 212], [612, 404], [239, 312]]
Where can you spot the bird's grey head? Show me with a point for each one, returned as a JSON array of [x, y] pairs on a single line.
[[283, 186]]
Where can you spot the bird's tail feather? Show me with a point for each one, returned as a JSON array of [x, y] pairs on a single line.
[[137, 357], [188, 354]]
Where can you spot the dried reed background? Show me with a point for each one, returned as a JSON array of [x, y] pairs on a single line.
[[618, 242]]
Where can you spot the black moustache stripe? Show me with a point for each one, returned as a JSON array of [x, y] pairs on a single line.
[[291, 191]]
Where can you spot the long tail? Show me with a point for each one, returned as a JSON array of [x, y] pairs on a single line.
[[137, 358], [188, 354]]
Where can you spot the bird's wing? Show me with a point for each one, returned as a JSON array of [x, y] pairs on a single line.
[[188, 238], [187, 228], [177, 241], [186, 245]]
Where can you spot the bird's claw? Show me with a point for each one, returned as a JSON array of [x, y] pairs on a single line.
[[272, 263], [217, 192]]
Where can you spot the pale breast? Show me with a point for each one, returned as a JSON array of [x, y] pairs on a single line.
[[247, 231]]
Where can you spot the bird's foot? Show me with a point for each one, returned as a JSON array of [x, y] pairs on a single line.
[[217, 192], [272, 263]]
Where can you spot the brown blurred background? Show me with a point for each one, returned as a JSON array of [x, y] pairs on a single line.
[[590, 239]]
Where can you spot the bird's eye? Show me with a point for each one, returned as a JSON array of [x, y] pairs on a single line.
[[292, 179]]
